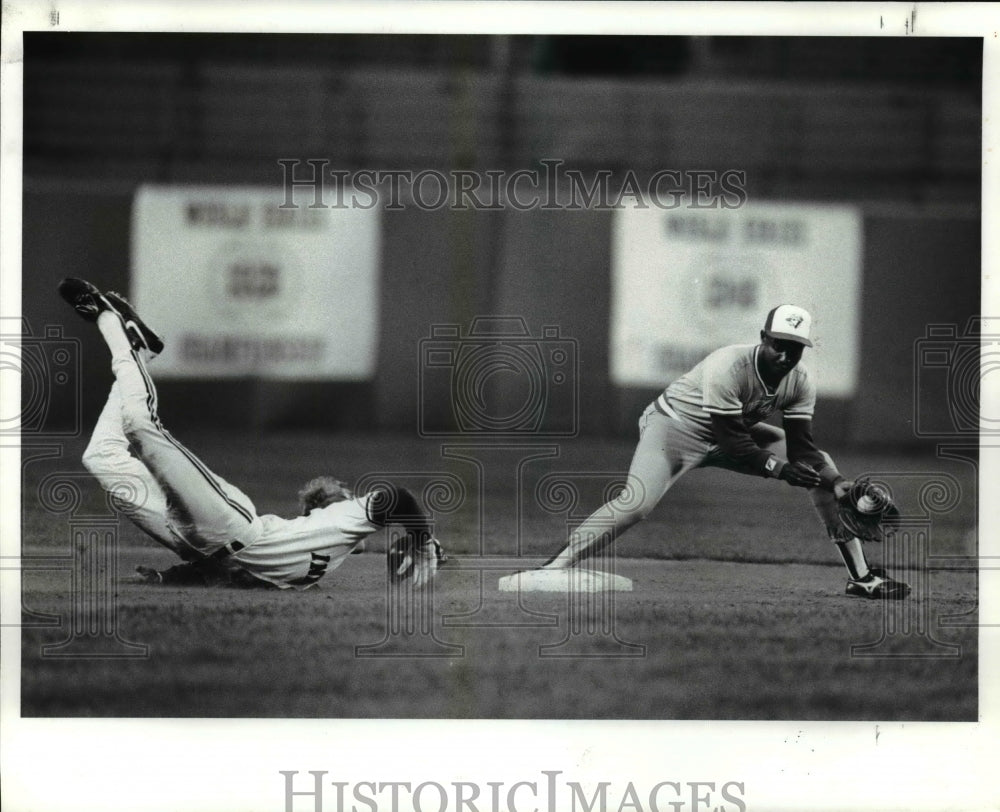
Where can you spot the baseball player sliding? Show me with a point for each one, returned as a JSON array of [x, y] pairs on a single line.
[[213, 526], [711, 416]]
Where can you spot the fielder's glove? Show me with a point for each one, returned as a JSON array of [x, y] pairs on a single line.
[[408, 560], [866, 511]]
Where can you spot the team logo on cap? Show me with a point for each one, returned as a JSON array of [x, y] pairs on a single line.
[[795, 320]]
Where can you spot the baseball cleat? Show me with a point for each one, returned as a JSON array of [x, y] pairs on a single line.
[[877, 585], [139, 334], [85, 299]]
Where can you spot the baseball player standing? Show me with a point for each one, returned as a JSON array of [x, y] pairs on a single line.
[[209, 523], [711, 416]]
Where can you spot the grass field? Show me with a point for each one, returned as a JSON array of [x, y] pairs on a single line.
[[738, 609]]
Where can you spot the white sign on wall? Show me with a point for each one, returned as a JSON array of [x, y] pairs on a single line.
[[239, 286], [687, 281]]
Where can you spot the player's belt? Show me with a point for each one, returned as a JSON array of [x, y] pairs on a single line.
[[663, 407], [227, 550]]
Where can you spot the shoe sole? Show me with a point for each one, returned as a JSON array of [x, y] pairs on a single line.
[[897, 593], [72, 289]]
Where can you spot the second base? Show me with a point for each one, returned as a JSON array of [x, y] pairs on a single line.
[[572, 580]]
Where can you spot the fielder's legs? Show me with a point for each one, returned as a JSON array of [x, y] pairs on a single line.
[[772, 438], [848, 546], [661, 457], [206, 511]]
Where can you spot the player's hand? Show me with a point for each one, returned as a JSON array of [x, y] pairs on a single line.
[[842, 488], [800, 475], [415, 563]]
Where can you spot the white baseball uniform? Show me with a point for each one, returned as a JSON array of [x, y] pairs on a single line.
[[173, 496]]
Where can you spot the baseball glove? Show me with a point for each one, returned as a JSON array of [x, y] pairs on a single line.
[[866, 511], [418, 563]]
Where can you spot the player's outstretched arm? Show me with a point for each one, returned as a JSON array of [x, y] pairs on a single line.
[[800, 475], [735, 441], [390, 504], [417, 555], [802, 448]]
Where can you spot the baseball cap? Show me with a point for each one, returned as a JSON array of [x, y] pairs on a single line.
[[789, 322]]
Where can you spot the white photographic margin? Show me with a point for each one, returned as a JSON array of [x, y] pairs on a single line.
[[220, 765]]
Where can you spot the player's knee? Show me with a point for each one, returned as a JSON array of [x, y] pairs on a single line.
[[773, 439], [96, 458], [138, 423], [91, 457], [129, 495]]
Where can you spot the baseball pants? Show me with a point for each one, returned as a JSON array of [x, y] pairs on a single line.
[[158, 483]]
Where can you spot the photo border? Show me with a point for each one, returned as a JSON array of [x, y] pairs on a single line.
[[219, 765]]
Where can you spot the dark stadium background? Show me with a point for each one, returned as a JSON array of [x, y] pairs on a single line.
[[889, 124]]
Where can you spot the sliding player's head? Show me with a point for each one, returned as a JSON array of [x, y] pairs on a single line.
[[322, 491]]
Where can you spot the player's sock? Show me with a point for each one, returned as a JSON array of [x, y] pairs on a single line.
[[850, 549], [110, 325], [854, 557]]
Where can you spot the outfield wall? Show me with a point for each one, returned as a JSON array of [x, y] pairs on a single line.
[[549, 267]]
